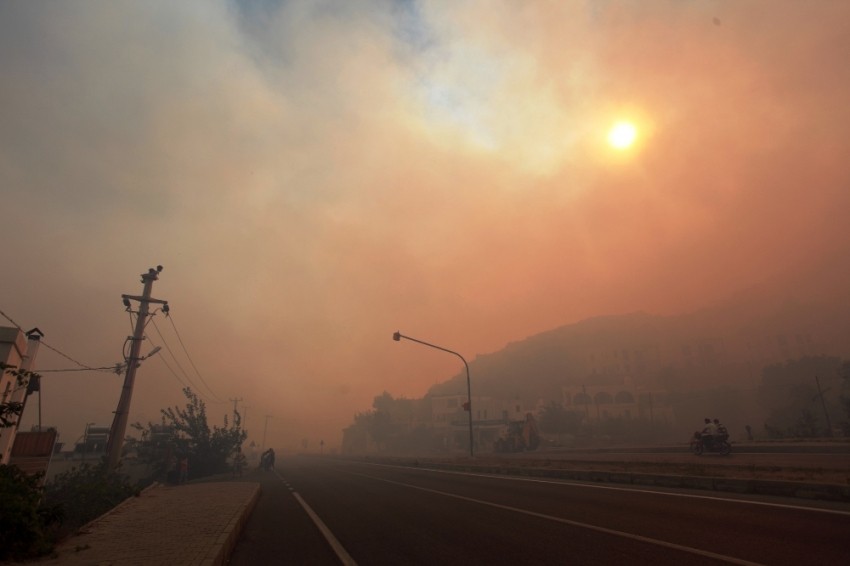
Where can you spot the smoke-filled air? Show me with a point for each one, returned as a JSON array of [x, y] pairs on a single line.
[[315, 176]]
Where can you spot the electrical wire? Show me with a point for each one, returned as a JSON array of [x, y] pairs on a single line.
[[7, 317], [176, 361], [115, 368], [200, 377], [177, 377], [173, 373], [49, 347], [104, 369], [66, 356]]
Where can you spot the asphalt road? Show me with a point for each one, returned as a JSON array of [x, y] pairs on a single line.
[[326, 511]]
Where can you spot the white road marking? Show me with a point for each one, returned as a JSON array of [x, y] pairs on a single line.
[[688, 549], [338, 549]]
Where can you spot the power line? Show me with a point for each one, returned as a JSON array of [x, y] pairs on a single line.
[[174, 373], [171, 319], [7, 317], [49, 347], [176, 361], [66, 356], [110, 369]]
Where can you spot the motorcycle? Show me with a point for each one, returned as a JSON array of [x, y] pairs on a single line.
[[719, 444]]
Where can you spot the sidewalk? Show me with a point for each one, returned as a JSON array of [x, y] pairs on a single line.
[[194, 524]]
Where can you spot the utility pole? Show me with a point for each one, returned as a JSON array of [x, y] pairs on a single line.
[[823, 404], [122, 413], [243, 422]]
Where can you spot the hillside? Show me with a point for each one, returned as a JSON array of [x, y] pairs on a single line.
[[725, 346]]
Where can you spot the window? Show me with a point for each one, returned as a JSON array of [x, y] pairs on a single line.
[[624, 397], [603, 398], [581, 399]]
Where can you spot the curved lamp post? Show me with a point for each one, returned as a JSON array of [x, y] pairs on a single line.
[[397, 336]]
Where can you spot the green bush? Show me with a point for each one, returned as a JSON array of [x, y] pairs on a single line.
[[26, 523], [86, 492]]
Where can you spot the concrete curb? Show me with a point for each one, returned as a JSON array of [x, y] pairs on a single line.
[[220, 553]]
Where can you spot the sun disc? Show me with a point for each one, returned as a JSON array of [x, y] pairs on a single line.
[[622, 135]]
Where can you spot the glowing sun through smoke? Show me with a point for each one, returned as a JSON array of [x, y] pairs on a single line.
[[622, 135]]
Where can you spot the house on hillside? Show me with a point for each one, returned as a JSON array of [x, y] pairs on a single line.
[[623, 401], [450, 420]]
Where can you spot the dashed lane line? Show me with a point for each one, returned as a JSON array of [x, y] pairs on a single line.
[[336, 546], [622, 534]]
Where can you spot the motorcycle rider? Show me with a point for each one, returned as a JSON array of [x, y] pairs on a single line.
[[721, 434], [708, 433]]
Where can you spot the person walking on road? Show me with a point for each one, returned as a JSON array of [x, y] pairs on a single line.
[[267, 459]]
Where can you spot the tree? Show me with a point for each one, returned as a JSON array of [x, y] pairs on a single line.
[[391, 426], [555, 419], [10, 411], [790, 393], [87, 492], [25, 521], [806, 425], [355, 437], [157, 447], [33, 517], [186, 432]]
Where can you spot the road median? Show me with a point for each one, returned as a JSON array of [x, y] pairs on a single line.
[[730, 479]]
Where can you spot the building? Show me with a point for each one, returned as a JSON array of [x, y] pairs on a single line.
[[450, 420], [623, 401], [14, 346]]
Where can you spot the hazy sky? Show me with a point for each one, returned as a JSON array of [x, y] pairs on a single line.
[[316, 175]]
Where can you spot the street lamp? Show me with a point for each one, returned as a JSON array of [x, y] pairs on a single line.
[[397, 336]]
